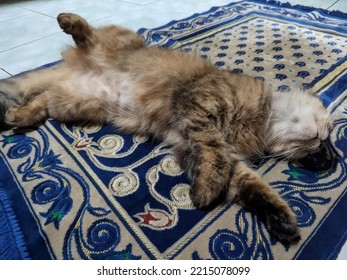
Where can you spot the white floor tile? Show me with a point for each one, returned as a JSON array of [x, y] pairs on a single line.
[[34, 54], [41, 5], [340, 6], [28, 28], [140, 2], [343, 253], [143, 17], [9, 11], [94, 10]]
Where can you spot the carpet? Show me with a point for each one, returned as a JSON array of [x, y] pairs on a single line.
[[71, 192]]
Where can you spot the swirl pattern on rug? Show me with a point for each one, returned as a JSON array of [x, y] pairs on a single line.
[[97, 193]]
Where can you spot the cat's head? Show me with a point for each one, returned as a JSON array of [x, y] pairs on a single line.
[[299, 124]]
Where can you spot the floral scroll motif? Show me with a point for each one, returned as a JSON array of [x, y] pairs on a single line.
[[52, 186]]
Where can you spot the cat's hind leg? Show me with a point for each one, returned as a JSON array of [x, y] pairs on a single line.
[[103, 43], [77, 27], [97, 48], [251, 192]]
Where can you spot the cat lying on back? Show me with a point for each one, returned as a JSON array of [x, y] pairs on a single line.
[[214, 119]]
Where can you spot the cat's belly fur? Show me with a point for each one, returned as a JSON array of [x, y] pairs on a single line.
[[111, 88], [123, 98], [137, 106]]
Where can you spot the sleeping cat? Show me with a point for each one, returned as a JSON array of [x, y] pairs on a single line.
[[215, 120]]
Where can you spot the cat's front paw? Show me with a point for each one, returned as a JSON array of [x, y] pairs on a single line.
[[12, 117], [24, 116], [202, 197], [251, 192], [208, 193], [282, 225]]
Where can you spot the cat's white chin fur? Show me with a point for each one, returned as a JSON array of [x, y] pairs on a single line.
[[298, 124]]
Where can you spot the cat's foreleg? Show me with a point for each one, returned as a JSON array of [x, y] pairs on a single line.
[[33, 112], [251, 192], [8, 99], [60, 104], [205, 157], [18, 91]]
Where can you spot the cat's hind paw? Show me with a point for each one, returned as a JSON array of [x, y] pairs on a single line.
[[73, 24]]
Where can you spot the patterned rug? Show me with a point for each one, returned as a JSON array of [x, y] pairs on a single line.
[[70, 192]]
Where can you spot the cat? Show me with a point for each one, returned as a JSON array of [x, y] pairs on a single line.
[[214, 120]]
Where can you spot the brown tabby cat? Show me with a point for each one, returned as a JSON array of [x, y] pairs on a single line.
[[213, 119]]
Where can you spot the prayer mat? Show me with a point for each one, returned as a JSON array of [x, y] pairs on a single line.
[[72, 192]]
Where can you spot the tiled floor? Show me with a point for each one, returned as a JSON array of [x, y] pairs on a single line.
[[30, 37]]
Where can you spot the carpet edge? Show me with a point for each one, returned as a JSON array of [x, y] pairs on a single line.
[[12, 242]]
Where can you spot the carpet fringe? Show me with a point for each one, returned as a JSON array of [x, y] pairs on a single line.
[[334, 13], [12, 244]]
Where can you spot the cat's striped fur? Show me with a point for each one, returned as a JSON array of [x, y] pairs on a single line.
[[213, 119]]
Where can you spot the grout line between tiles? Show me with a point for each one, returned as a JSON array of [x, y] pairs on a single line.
[[23, 8], [21, 45], [33, 11], [138, 4], [6, 71], [42, 13], [333, 4]]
